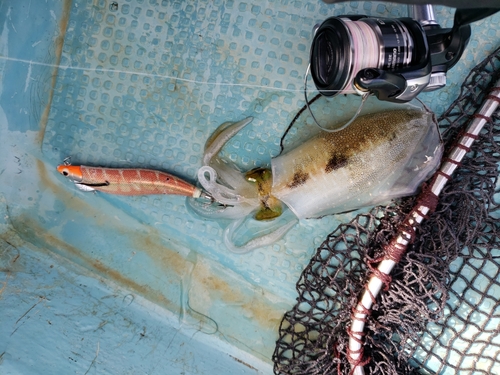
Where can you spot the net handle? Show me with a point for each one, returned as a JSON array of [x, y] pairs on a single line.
[[395, 249]]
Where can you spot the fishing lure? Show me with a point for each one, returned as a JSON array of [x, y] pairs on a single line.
[[378, 157], [130, 181]]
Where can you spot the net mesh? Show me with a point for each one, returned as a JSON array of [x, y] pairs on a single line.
[[441, 313]]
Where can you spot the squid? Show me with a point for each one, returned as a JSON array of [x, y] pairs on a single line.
[[378, 157]]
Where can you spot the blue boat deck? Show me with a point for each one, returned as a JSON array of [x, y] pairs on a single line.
[[97, 284]]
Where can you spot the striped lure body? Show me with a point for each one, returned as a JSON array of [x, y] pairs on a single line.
[[122, 181]]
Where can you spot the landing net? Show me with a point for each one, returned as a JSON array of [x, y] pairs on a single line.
[[441, 313]]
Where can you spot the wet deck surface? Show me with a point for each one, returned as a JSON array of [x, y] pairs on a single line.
[[143, 85]]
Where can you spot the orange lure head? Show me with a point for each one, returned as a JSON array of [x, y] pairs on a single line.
[[73, 172]]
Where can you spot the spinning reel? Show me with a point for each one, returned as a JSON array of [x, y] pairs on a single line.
[[393, 58]]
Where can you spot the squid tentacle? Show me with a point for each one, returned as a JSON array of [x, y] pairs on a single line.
[[230, 187], [259, 241], [221, 193], [221, 136]]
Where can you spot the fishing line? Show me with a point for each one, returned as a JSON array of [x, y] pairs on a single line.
[[289, 127], [152, 75], [364, 96]]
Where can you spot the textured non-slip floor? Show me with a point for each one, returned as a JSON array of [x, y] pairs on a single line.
[[143, 83]]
